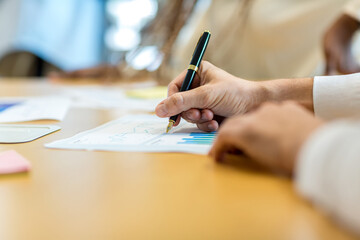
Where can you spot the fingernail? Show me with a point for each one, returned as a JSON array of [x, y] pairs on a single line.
[[162, 111], [211, 127]]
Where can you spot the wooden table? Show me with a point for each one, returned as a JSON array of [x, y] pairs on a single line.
[[115, 195]]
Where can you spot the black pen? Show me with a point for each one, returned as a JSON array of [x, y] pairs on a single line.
[[192, 69]]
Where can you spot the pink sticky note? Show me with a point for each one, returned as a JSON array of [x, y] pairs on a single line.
[[12, 162]]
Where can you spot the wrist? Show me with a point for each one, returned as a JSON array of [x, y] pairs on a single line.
[[298, 90], [252, 93]]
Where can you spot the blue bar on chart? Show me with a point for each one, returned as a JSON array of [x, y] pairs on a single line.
[[199, 139]]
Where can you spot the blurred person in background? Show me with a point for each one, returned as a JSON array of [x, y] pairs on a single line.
[[267, 39], [257, 39], [41, 36], [140, 38], [341, 42]]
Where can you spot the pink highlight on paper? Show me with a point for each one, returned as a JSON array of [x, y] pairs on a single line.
[[13, 162]]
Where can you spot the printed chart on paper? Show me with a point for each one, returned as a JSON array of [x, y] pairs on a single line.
[[140, 133]]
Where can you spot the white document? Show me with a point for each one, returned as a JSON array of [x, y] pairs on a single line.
[[140, 133], [33, 108]]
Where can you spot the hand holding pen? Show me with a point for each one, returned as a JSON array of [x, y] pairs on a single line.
[[215, 95], [192, 70]]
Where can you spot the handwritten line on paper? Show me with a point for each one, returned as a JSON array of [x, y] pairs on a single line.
[[13, 162]]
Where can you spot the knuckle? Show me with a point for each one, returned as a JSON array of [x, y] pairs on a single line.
[[171, 84], [177, 100], [204, 65], [171, 90]]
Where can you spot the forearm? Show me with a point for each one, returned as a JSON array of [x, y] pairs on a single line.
[[298, 90], [329, 97]]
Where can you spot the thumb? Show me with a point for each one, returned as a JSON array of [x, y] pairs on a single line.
[[182, 101]]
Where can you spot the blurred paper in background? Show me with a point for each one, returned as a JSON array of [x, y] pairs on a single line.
[[33, 108]]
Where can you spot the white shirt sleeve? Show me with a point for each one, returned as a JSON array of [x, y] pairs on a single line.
[[353, 9], [337, 96], [328, 172]]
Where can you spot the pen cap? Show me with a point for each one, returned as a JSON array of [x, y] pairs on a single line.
[[200, 49]]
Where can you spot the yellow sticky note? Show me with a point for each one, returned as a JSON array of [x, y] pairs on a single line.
[[148, 93]]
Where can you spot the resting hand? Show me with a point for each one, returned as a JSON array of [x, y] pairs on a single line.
[[272, 135], [215, 95]]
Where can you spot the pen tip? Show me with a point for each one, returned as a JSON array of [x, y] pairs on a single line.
[[169, 127]]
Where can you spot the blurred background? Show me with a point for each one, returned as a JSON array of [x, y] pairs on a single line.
[[254, 39], [43, 36]]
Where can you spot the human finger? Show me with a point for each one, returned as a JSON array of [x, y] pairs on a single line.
[[197, 115], [183, 101], [192, 115], [209, 126], [226, 140], [221, 147]]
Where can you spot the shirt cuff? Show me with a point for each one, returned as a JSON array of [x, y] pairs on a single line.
[[337, 96], [353, 9]]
